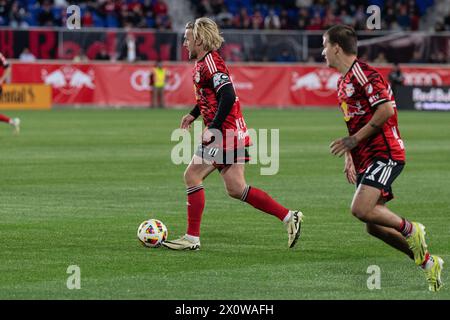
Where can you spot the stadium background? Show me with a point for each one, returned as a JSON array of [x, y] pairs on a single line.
[[79, 181]]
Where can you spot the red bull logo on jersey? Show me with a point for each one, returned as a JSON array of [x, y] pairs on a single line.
[[351, 111], [69, 79]]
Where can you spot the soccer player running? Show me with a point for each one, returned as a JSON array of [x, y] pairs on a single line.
[[219, 106], [374, 152], [6, 72]]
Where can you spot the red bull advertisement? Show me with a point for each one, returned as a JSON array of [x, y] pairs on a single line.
[[263, 86]]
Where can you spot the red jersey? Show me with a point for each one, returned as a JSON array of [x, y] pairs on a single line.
[[210, 74], [3, 62], [360, 91]]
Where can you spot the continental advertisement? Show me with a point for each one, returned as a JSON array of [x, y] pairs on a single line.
[[26, 96]]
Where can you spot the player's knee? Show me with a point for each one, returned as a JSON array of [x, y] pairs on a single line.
[[235, 191], [359, 212], [191, 179]]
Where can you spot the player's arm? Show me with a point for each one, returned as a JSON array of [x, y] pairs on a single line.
[[225, 100], [190, 117], [382, 114], [384, 111], [349, 168], [6, 73]]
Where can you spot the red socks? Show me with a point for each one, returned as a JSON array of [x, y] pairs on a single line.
[[195, 206], [4, 118], [254, 196], [405, 227], [262, 201]]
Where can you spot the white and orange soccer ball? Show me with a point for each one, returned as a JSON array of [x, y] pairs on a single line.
[[152, 233]]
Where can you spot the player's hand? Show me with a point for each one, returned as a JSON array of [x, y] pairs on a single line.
[[340, 146], [186, 121], [207, 136], [349, 169]]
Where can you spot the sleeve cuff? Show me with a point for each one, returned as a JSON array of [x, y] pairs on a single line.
[[377, 103]]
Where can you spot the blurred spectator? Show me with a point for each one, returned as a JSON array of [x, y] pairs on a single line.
[[46, 16], [303, 19], [242, 20], [381, 58], [417, 57], [438, 57], [160, 8], [303, 3], [396, 78], [158, 79], [272, 21], [80, 57], [217, 6], [346, 18], [285, 56], [403, 19], [60, 3], [131, 47], [225, 19], [4, 12], [18, 16], [439, 26], [316, 23], [103, 55], [257, 20], [87, 20], [447, 22], [27, 56]]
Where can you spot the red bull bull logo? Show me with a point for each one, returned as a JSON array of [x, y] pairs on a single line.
[[69, 79], [351, 111], [321, 81]]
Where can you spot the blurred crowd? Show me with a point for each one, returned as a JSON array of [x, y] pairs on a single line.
[[230, 14], [313, 14], [100, 13]]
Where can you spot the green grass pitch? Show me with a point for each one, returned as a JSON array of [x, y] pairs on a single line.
[[75, 184]]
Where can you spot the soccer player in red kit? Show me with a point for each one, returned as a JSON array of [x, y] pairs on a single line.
[[6, 72], [374, 151], [224, 140]]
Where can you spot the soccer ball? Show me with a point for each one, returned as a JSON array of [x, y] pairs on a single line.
[[152, 233]]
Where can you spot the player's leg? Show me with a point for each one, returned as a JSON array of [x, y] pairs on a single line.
[[154, 98], [161, 98], [194, 175], [236, 186], [14, 122], [363, 207], [388, 235], [4, 118], [234, 180], [374, 186]]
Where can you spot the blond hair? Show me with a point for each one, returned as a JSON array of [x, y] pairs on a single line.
[[207, 31]]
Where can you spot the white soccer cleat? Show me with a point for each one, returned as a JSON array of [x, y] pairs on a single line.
[[16, 125], [182, 244], [294, 227]]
